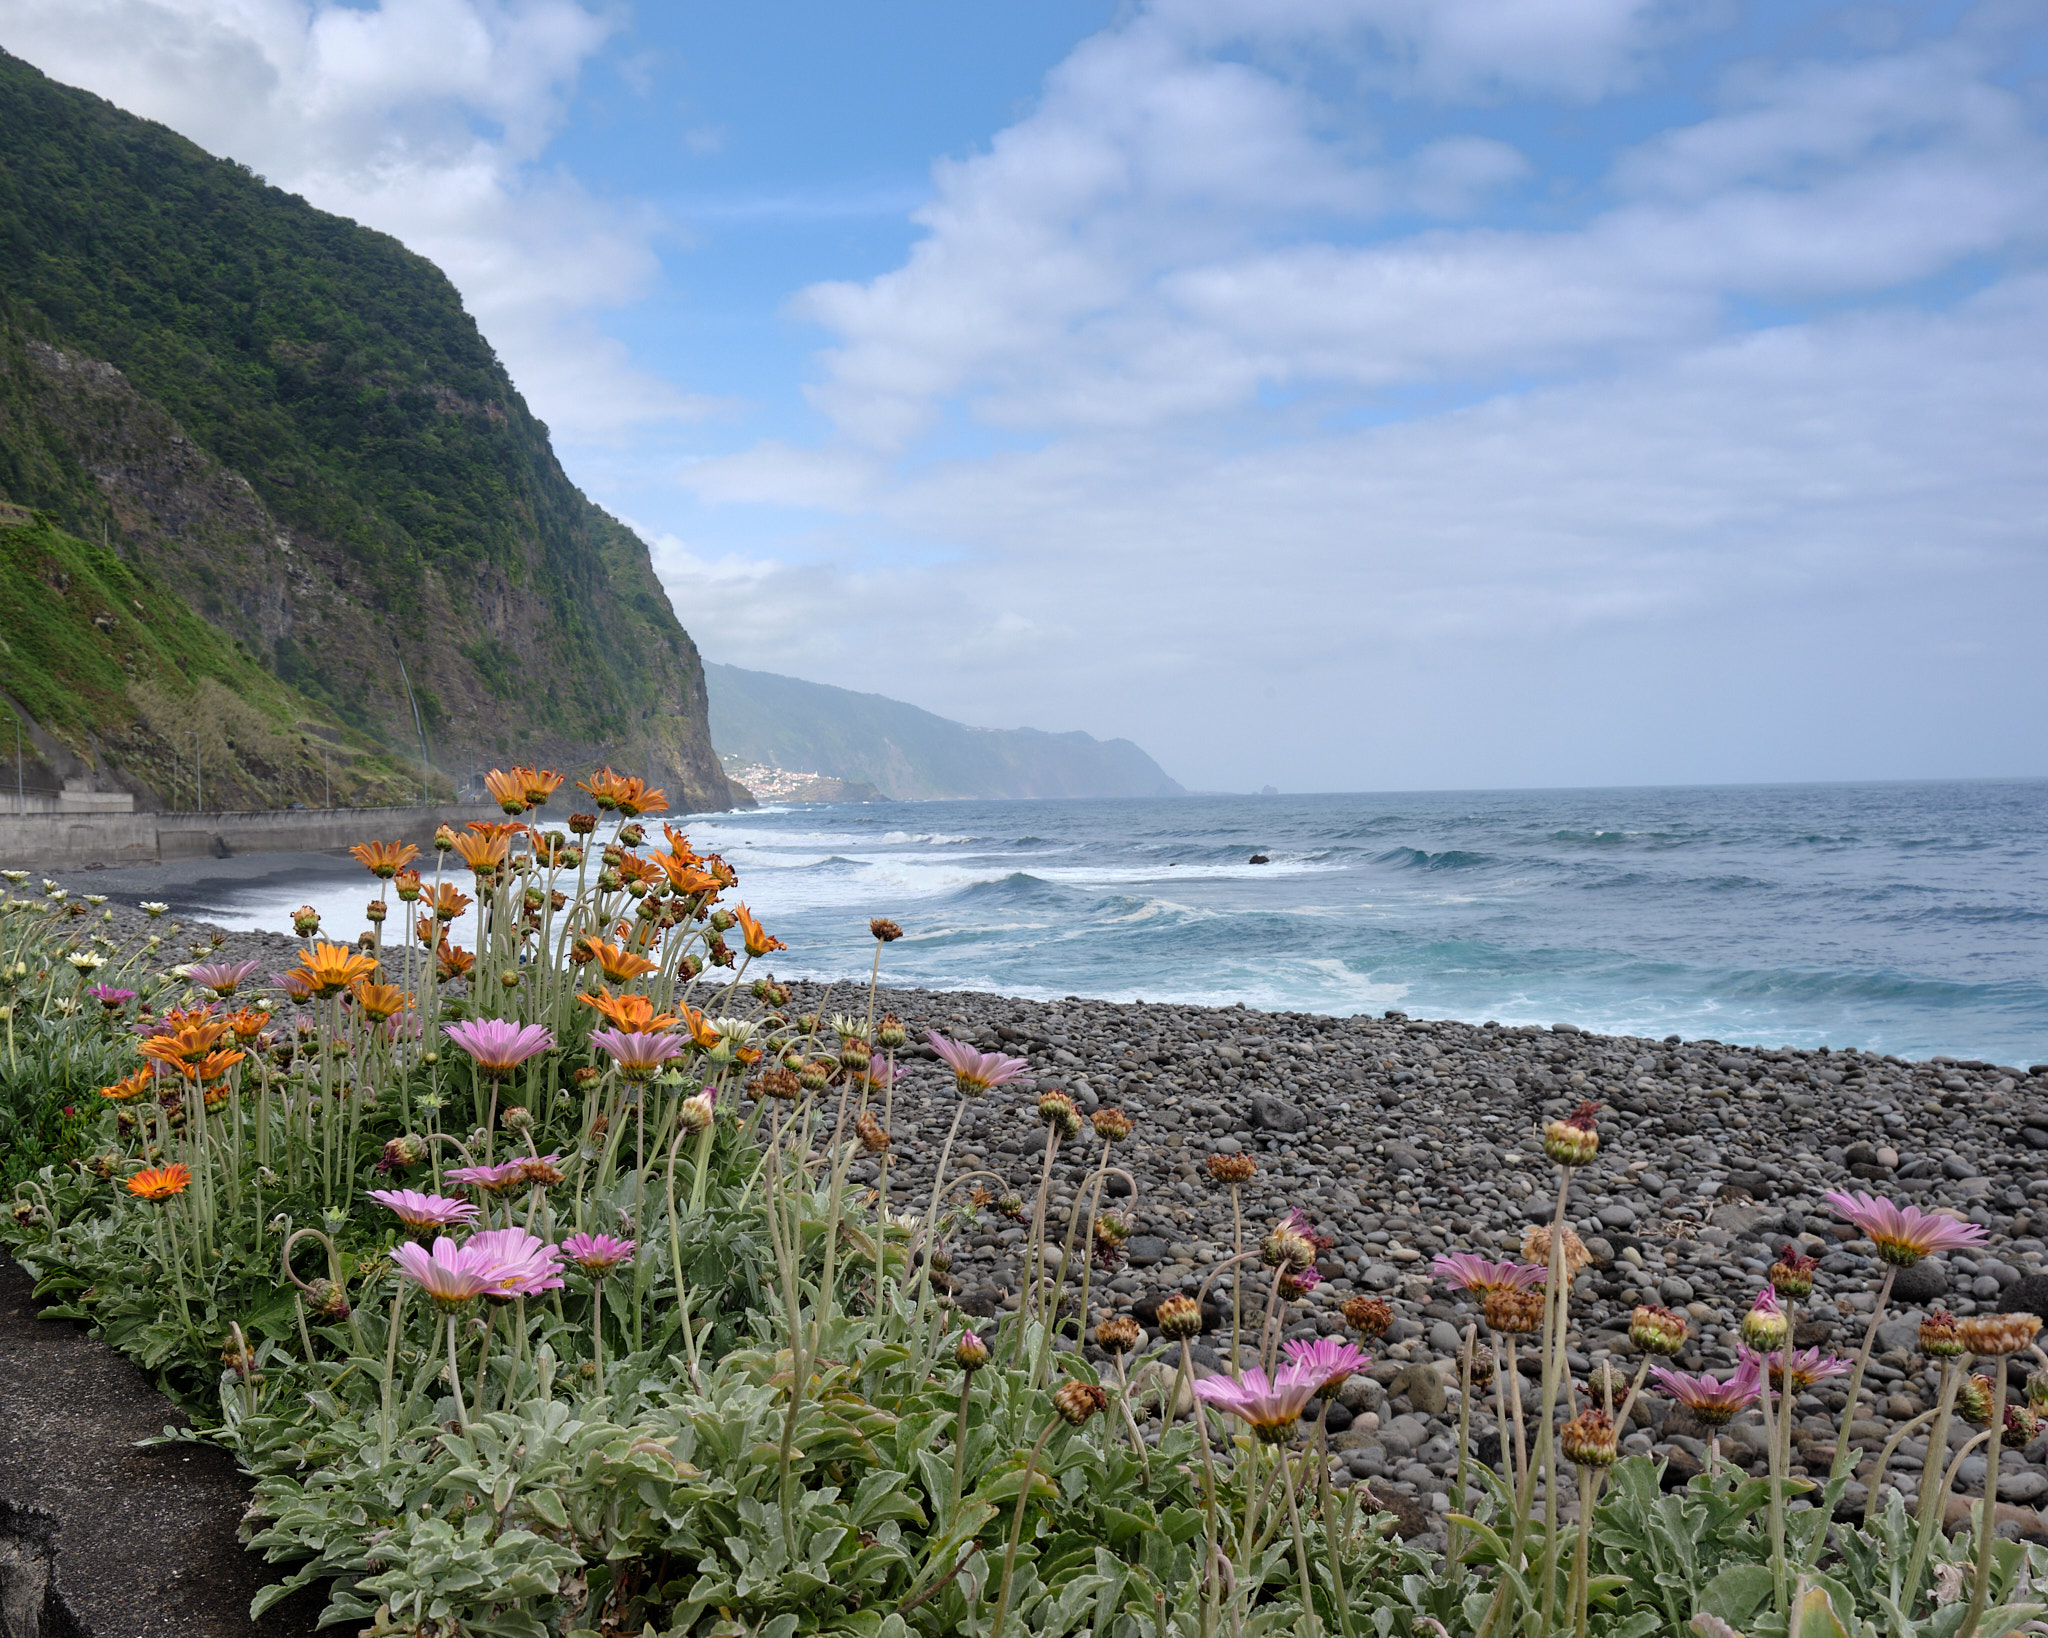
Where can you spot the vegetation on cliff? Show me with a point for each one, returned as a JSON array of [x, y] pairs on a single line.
[[291, 420], [908, 754]]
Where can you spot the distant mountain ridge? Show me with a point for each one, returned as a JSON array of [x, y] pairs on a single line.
[[289, 421], [910, 754]]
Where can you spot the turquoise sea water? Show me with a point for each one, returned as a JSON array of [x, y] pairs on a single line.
[[1907, 918]]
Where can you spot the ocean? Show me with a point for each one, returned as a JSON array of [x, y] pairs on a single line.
[[1901, 918]]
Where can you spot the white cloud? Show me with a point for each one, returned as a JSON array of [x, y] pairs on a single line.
[[423, 118], [1312, 486]]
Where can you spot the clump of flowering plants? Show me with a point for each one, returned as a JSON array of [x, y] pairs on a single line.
[[516, 1251]]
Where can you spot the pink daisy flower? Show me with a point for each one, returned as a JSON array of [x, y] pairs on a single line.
[[1713, 1401], [1273, 1408], [419, 1212], [221, 977], [1904, 1234], [1468, 1271], [1337, 1361], [517, 1264], [499, 1046], [598, 1254], [975, 1072], [454, 1276], [637, 1055], [503, 1178]]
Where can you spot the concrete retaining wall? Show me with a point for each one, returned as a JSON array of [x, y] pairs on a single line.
[[71, 841]]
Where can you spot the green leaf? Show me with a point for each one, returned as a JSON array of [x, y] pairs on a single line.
[[1736, 1592]]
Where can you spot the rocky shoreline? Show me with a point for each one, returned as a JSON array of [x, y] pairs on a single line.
[[1403, 1137]]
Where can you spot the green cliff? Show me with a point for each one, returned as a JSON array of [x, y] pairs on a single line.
[[289, 422]]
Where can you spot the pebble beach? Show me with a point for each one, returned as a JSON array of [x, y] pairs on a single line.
[[1402, 1138]]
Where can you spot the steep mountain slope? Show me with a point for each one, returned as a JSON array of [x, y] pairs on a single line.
[[909, 754], [103, 666], [289, 420]]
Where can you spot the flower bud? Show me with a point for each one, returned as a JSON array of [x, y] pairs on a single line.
[[970, 1353], [1077, 1401], [305, 921], [1368, 1316], [1990, 1334], [695, 1112], [444, 839], [1658, 1331], [1940, 1336], [1575, 1140], [2037, 1390], [376, 910], [517, 1118], [1119, 1334], [1180, 1318], [1287, 1247], [889, 1034], [1973, 1401], [816, 1075], [1764, 1327], [1054, 1108], [940, 1261], [854, 1053], [1011, 1205], [1588, 1440], [327, 1301]]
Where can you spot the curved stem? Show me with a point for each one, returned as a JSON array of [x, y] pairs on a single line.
[[1884, 1462], [1933, 1497]]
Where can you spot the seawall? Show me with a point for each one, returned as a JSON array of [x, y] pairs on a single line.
[[73, 841]]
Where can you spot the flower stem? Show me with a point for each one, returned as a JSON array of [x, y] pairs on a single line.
[[1980, 1584], [455, 1378], [960, 1448], [1017, 1530], [1933, 1499]]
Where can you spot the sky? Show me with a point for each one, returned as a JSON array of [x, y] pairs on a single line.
[[1332, 394]]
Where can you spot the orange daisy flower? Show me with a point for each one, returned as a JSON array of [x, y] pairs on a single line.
[[129, 1086], [508, 790], [384, 859], [635, 799], [633, 1014], [408, 884], [483, 854], [331, 968], [447, 902], [753, 935], [213, 1066], [538, 784], [248, 1023], [160, 1182], [678, 843], [179, 1017], [701, 1032], [604, 787], [452, 961], [618, 963], [683, 874], [380, 1001], [182, 1046]]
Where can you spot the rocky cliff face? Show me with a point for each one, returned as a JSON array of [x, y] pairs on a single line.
[[289, 421]]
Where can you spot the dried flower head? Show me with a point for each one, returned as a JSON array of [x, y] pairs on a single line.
[[873, 1139], [1536, 1249], [1232, 1169], [1940, 1336], [1369, 1316], [1513, 1313], [778, 1083], [1792, 1274], [1112, 1125], [1588, 1440], [884, 929], [1574, 1140], [889, 1033], [1119, 1334], [1286, 1246], [1483, 1366], [1991, 1334], [1077, 1401], [326, 1301], [2022, 1423], [1973, 1400], [1180, 1318], [1658, 1331]]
